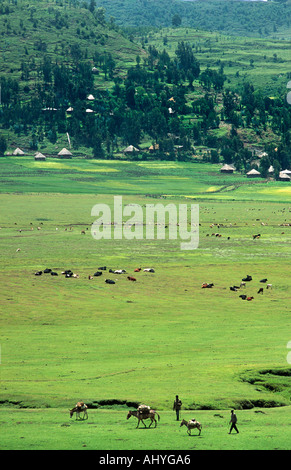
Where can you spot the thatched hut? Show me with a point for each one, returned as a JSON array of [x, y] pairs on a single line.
[[39, 157], [253, 174], [130, 149], [284, 176], [18, 151], [227, 169], [64, 153]]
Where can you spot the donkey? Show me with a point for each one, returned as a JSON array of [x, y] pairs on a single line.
[[192, 424], [144, 415], [78, 408]]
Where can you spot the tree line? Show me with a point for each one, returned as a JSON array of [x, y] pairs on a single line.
[[150, 103]]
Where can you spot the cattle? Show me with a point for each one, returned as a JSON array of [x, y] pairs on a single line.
[[250, 298], [119, 271], [242, 284], [47, 271], [109, 281], [137, 270], [263, 280], [53, 273], [256, 236], [67, 272], [261, 290], [18, 249], [131, 278], [247, 279], [83, 232], [269, 286], [98, 273], [38, 273], [234, 288], [90, 277], [149, 270], [103, 268], [243, 297], [205, 285]]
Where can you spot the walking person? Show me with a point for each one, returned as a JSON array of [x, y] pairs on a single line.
[[233, 421], [177, 407]]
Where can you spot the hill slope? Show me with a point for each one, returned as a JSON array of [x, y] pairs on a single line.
[[64, 32], [260, 19]]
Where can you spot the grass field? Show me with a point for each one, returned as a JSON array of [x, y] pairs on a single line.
[[114, 346]]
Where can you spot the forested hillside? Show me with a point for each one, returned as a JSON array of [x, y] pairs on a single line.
[[256, 19], [70, 77]]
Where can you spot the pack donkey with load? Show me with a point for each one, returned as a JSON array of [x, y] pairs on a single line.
[[144, 412]]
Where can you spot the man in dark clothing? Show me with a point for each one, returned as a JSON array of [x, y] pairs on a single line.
[[177, 407], [233, 421]]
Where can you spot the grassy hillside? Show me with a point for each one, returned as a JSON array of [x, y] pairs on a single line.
[[266, 63], [65, 32]]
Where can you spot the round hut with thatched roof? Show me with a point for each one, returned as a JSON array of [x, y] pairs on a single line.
[[39, 157], [64, 153], [284, 176], [130, 149], [18, 151], [227, 169], [253, 174]]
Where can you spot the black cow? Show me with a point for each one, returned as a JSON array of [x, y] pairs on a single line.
[[109, 281], [98, 273]]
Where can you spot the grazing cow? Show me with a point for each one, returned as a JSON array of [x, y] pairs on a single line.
[[256, 236], [131, 278], [234, 288], [243, 297], [68, 273], [192, 424], [269, 286], [247, 279], [243, 284], [261, 290], [146, 414], [98, 273], [109, 281], [205, 285], [250, 298], [263, 280], [78, 408], [47, 270], [137, 270]]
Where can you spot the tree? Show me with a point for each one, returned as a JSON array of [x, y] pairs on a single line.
[[3, 145], [176, 20]]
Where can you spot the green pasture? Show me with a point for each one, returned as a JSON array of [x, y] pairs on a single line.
[[114, 346], [52, 429], [192, 180]]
